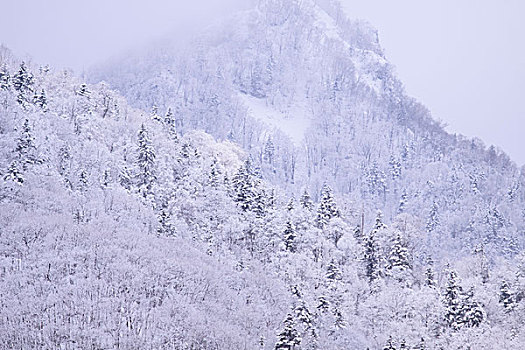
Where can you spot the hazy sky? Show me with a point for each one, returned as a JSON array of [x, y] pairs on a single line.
[[463, 59]]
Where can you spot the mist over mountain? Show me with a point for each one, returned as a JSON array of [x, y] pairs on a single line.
[[267, 185]]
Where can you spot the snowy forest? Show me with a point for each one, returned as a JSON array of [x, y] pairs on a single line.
[[269, 186]]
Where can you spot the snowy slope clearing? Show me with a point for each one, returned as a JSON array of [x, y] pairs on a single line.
[[293, 122]]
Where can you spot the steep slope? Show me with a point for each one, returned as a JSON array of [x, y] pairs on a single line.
[[131, 228], [310, 95]]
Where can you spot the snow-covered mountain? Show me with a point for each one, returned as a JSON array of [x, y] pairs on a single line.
[[301, 81], [269, 186]]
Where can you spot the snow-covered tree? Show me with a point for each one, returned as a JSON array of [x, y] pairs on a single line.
[[403, 202], [288, 338], [472, 313], [83, 182], [327, 207], [506, 297], [269, 151], [5, 78], [290, 237], [40, 99], [433, 218], [333, 273], [398, 258], [306, 200], [83, 90], [452, 301], [245, 187], [145, 162], [23, 83], [389, 345], [25, 146], [430, 278], [14, 174]]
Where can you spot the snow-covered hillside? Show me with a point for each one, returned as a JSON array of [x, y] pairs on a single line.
[[270, 186], [315, 87], [294, 122]]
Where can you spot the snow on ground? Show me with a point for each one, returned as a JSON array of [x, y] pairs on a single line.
[[294, 122], [327, 24], [363, 59]]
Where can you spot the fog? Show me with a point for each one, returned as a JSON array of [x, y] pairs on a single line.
[[462, 59], [78, 34]]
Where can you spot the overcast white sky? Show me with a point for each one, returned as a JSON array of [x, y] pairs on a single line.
[[464, 59]]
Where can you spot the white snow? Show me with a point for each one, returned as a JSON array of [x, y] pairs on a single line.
[[294, 122], [363, 59], [327, 24]]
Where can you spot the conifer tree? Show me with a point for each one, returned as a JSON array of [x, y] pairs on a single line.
[[395, 168], [358, 234], [472, 313], [25, 146], [40, 99], [304, 316], [390, 344], [269, 151], [185, 152], [379, 224], [483, 263], [372, 258], [83, 181], [398, 257], [261, 342], [14, 174], [145, 162], [289, 237], [291, 206], [126, 178], [323, 304], [421, 345], [106, 178], [155, 114], [452, 301], [306, 201], [169, 124], [23, 84], [430, 279], [270, 202], [165, 227], [168, 117], [244, 185], [83, 90], [403, 202], [505, 296], [339, 321], [5, 78], [333, 273], [433, 218], [289, 337], [327, 207], [214, 174], [259, 206]]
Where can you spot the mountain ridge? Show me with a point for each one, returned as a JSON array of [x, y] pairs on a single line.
[[169, 218], [342, 85]]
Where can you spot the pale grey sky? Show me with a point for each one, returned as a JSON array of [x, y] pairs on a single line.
[[463, 59]]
